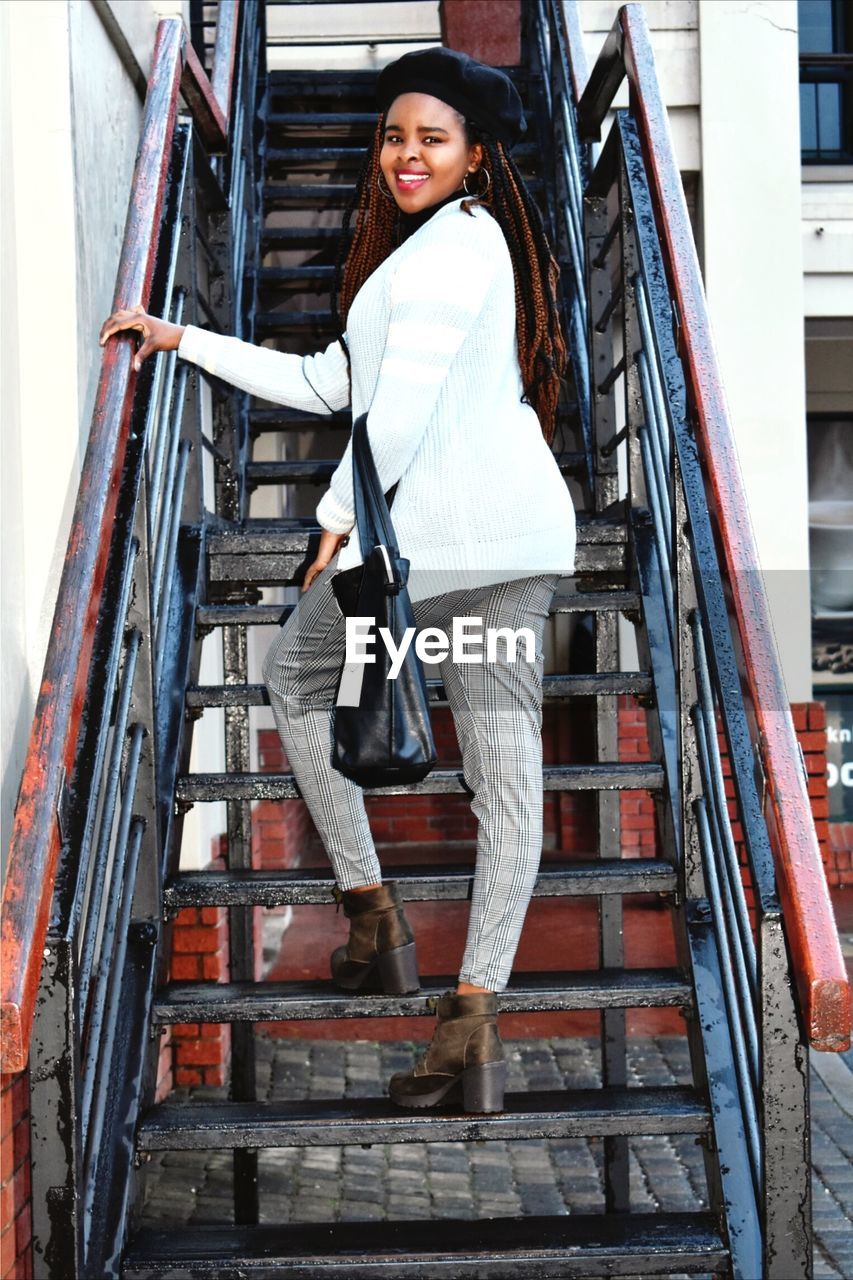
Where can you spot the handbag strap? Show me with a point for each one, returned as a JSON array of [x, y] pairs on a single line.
[[371, 508]]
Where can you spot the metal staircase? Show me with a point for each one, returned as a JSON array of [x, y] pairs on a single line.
[[650, 549]]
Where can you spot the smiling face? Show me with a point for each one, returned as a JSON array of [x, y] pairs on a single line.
[[425, 154]]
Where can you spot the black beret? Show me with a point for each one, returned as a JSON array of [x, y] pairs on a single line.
[[484, 95]]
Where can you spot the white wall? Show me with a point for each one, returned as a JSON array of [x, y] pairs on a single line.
[[753, 265], [40, 392], [68, 138]]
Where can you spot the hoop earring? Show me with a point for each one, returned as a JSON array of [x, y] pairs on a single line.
[[386, 190], [481, 193]]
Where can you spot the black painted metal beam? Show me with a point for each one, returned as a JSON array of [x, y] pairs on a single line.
[[426, 883], [574, 1245], [526, 993]]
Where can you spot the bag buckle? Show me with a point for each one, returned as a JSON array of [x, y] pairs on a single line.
[[392, 583], [338, 896]]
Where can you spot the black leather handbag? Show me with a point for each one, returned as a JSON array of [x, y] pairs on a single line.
[[382, 730]]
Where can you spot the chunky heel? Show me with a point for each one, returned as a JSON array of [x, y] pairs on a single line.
[[483, 1087], [398, 970]]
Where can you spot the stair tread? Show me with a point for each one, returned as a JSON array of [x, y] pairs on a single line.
[[253, 536], [554, 687], [179, 1125], [312, 999], [641, 775], [565, 1245], [319, 470], [421, 882], [213, 615]]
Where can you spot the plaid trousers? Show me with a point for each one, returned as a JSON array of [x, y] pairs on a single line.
[[497, 710]]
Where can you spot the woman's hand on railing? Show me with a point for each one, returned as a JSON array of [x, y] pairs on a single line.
[[329, 544], [157, 335]]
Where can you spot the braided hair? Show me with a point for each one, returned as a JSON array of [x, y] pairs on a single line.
[[541, 346]]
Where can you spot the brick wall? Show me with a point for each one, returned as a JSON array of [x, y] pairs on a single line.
[[199, 1051], [15, 1193]]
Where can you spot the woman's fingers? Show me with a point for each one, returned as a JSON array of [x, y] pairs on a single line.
[[144, 351], [312, 572], [125, 318]]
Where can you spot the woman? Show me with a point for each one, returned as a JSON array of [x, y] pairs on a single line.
[[450, 338]]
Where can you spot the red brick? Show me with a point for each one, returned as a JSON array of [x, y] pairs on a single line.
[[214, 967], [198, 1053], [7, 1113], [812, 741], [184, 1030], [198, 940], [213, 915], [21, 1092], [9, 1264], [215, 1075], [817, 715], [213, 1030], [21, 1140], [800, 715], [185, 968], [186, 1076], [187, 916]]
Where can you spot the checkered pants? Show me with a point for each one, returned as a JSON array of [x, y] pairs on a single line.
[[497, 710]]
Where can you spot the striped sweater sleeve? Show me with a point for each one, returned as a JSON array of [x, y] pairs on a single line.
[[435, 298], [317, 384]]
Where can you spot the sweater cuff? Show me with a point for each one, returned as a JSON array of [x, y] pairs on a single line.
[[332, 516], [195, 346]]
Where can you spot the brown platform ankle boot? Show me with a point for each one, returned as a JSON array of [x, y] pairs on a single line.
[[380, 954], [466, 1055]]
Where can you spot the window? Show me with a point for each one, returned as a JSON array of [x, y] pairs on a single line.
[[826, 81]]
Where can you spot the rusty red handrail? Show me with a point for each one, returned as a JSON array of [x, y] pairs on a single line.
[[35, 844], [819, 970]]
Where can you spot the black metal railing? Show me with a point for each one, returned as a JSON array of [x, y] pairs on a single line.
[[750, 1048], [92, 1062]]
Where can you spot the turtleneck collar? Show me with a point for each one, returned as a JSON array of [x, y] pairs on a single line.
[[411, 222]]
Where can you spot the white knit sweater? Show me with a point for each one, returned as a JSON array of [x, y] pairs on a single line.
[[432, 340]]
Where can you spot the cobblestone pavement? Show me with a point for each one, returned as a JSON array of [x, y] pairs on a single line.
[[488, 1179]]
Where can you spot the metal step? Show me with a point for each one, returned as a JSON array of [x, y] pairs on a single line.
[[308, 279], [285, 238], [319, 470], [556, 688], [329, 1122], [576, 1245], [289, 534], [207, 788], [260, 552], [306, 195], [252, 615], [349, 159], [281, 419], [551, 992], [329, 195], [303, 886], [345, 124], [281, 324]]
